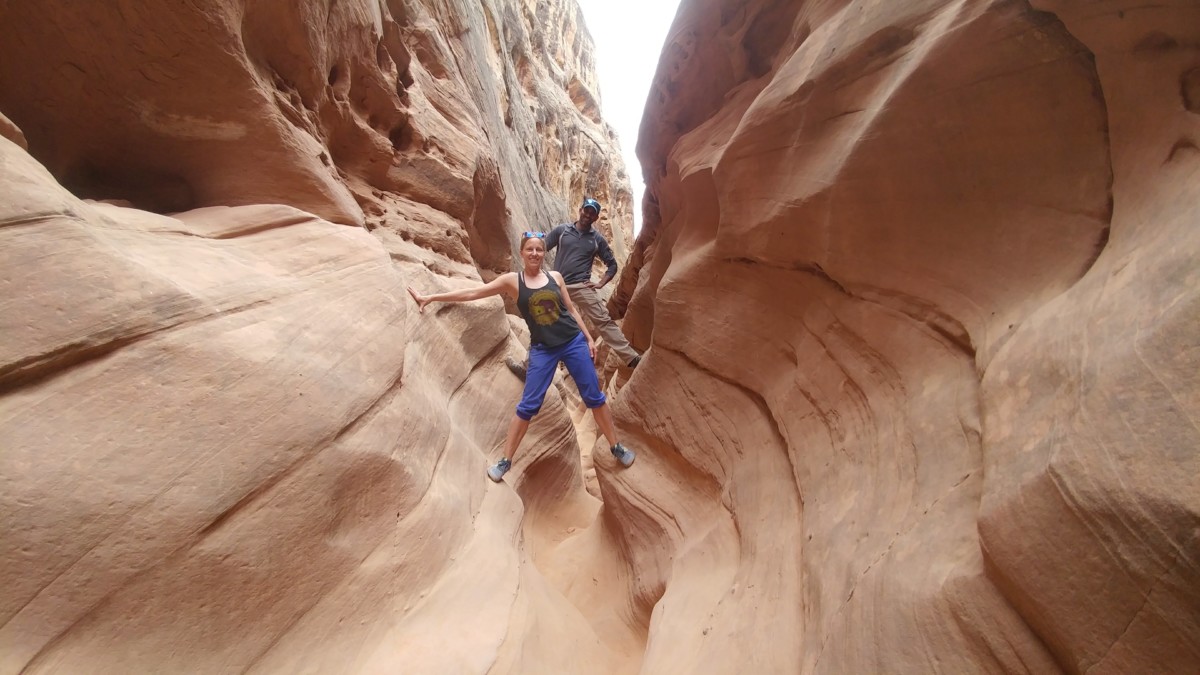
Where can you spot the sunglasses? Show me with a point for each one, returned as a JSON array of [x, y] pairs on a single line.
[[532, 235]]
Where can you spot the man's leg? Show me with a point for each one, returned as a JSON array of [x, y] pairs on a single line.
[[589, 303]]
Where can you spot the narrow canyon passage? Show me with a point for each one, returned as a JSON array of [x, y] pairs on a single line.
[[918, 288]]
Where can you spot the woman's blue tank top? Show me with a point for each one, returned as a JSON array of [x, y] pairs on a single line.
[[550, 324]]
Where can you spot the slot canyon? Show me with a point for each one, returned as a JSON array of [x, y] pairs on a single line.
[[917, 286]]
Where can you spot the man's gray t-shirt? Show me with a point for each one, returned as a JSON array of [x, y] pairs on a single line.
[[576, 250]]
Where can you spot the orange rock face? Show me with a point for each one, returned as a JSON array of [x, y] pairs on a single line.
[[926, 278], [918, 281], [321, 107], [228, 441]]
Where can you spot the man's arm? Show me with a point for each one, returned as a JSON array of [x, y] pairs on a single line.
[[554, 236], [609, 259]]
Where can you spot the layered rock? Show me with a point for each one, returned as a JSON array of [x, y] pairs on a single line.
[[918, 282], [227, 439], [318, 107], [927, 278]]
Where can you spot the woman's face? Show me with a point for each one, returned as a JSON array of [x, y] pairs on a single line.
[[532, 251]]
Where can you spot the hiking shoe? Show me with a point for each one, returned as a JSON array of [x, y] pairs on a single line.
[[516, 368], [636, 360], [624, 455], [496, 473]]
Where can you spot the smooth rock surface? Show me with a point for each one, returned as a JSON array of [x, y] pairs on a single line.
[[919, 284], [945, 254], [228, 442]]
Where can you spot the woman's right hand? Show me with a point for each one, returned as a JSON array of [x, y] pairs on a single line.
[[421, 300]]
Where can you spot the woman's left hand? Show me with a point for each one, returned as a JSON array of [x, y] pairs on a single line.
[[592, 349]]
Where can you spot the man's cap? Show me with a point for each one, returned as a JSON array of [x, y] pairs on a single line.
[[589, 203]]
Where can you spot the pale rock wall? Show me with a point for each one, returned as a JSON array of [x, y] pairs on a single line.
[[922, 281], [228, 442], [919, 283], [321, 107]]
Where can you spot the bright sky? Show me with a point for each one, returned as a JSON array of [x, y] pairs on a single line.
[[629, 36]]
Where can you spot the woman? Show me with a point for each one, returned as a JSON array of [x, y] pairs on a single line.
[[556, 334]]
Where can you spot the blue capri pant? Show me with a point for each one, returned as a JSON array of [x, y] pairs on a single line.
[[543, 361]]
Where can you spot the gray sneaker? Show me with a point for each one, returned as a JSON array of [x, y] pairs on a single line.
[[624, 455], [497, 471], [515, 368]]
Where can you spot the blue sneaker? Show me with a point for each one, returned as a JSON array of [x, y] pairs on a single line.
[[624, 455], [496, 473]]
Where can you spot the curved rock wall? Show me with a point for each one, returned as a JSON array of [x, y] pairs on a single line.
[[228, 442], [320, 106], [918, 282], [926, 279]]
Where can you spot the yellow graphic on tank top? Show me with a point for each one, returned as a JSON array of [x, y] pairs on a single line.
[[543, 307]]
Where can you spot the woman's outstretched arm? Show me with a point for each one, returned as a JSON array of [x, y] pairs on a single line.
[[504, 282]]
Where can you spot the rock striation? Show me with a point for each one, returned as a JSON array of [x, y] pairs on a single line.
[[918, 281], [227, 440], [927, 277]]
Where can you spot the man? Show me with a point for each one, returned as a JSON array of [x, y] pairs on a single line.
[[578, 245]]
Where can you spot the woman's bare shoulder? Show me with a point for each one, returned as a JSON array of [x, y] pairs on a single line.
[[509, 281]]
